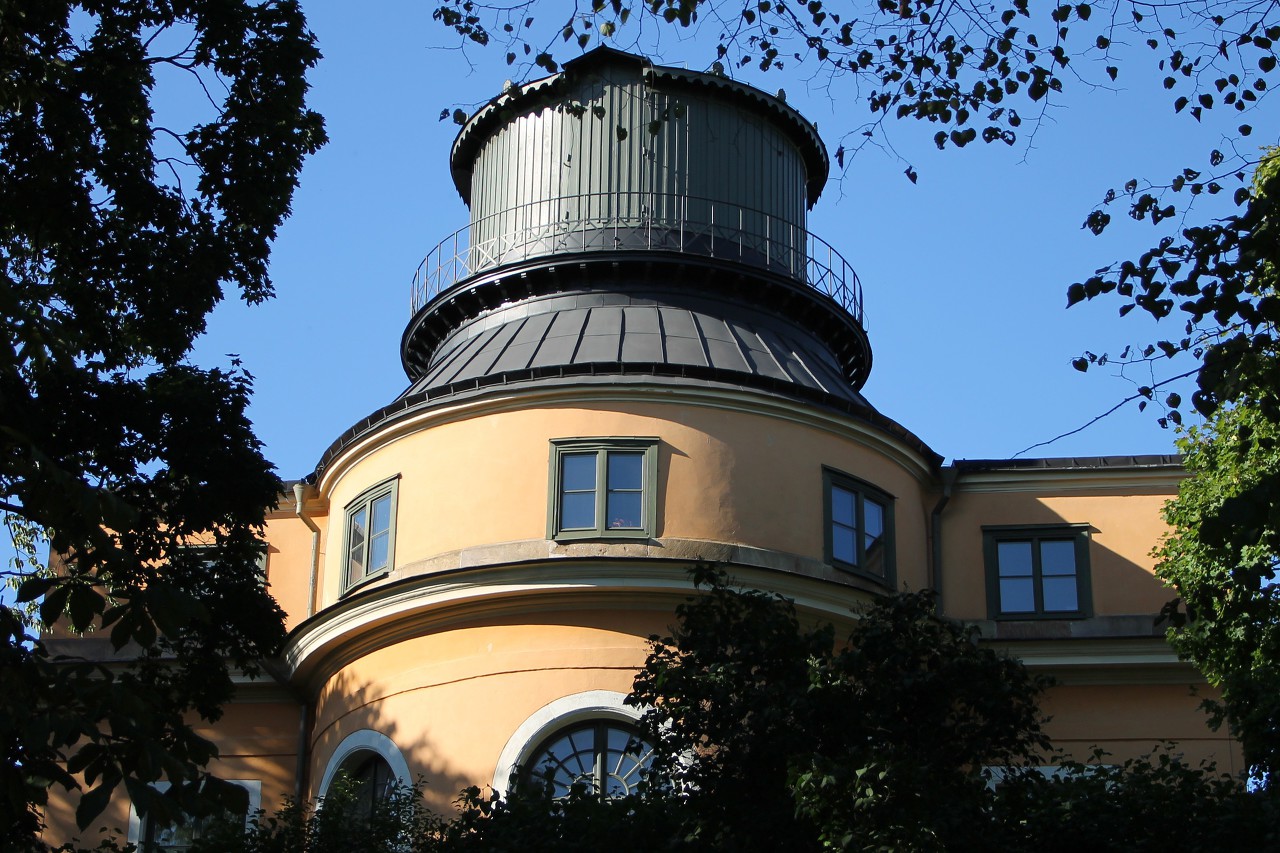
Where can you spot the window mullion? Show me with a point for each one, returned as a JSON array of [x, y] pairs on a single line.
[[601, 749], [859, 535], [1037, 578], [602, 489], [367, 507]]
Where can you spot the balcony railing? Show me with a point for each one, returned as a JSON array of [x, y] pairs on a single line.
[[611, 222]]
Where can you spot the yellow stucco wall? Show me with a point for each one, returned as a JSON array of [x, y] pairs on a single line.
[[724, 475], [1124, 525], [289, 559], [451, 700], [1128, 721]]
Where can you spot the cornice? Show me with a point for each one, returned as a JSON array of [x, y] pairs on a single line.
[[502, 400], [418, 606], [1102, 661], [1164, 478]]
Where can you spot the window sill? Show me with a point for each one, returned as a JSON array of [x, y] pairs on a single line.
[[610, 536], [364, 581], [850, 569]]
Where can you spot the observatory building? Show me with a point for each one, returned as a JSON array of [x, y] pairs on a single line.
[[635, 357]]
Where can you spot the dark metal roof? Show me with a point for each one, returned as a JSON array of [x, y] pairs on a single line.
[[603, 328], [533, 95], [1071, 462]]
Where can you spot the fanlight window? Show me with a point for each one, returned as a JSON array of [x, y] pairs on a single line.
[[604, 757]]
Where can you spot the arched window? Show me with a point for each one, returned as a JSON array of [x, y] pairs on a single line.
[[607, 757], [372, 762], [371, 779]]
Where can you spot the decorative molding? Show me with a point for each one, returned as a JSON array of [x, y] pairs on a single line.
[[1160, 479], [557, 714], [1120, 660], [365, 740], [418, 606], [657, 394]]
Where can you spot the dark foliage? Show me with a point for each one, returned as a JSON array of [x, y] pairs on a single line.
[[119, 231]]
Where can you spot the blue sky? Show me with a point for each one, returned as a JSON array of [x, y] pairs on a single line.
[[964, 273]]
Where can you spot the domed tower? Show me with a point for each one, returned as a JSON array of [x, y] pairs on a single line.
[[662, 212], [635, 356]]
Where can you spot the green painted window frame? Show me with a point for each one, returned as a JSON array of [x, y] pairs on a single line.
[[364, 502], [862, 491], [1077, 534], [601, 448]]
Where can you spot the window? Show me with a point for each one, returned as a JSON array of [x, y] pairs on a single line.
[[1037, 572], [154, 836], [606, 756], [371, 779], [212, 561], [603, 488], [371, 520], [859, 527]]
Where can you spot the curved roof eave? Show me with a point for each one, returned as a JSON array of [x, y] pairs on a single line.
[[580, 376]]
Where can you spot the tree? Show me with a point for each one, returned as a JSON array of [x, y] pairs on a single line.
[[1221, 555], [770, 735], [120, 230], [1221, 559], [777, 733]]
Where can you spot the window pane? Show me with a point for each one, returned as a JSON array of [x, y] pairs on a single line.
[[626, 471], [624, 510], [1060, 594], [379, 548], [842, 507], [843, 544], [1017, 595], [623, 768], [356, 538], [381, 516], [1057, 557], [873, 521], [578, 472], [578, 511], [592, 753], [1014, 559]]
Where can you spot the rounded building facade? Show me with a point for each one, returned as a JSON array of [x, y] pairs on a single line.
[[631, 360]]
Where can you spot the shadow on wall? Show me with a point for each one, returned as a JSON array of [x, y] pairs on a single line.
[[363, 729]]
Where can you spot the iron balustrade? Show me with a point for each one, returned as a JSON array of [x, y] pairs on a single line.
[[637, 222]]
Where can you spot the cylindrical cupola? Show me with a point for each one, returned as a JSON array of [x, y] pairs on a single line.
[[677, 198], [616, 152]]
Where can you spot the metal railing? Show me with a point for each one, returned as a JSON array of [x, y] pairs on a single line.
[[608, 222]]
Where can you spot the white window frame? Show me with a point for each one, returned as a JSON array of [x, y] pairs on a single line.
[[589, 705], [138, 824], [365, 740]]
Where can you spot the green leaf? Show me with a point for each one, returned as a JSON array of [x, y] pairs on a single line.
[[54, 604], [92, 804], [33, 588], [85, 602]]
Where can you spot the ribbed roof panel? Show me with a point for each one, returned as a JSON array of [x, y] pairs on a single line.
[[623, 332]]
